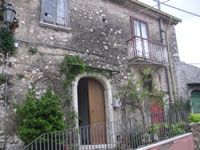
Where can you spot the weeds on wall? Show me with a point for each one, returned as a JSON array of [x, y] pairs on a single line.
[[32, 50], [20, 76], [7, 42], [38, 116]]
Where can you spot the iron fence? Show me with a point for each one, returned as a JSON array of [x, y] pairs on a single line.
[[145, 48], [116, 135]]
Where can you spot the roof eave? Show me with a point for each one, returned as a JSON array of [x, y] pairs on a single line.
[[175, 20]]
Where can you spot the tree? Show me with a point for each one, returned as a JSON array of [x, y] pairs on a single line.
[[38, 116], [136, 90]]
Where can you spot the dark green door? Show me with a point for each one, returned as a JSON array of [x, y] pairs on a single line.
[[196, 101]]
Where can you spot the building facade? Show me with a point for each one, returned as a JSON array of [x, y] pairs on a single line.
[[117, 36]]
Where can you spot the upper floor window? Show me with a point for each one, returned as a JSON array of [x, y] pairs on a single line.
[[140, 29], [140, 36], [55, 13]]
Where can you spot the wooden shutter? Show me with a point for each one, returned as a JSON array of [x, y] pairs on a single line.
[[60, 20], [196, 102], [67, 20], [49, 10]]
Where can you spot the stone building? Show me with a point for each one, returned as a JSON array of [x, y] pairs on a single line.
[[116, 36], [188, 84]]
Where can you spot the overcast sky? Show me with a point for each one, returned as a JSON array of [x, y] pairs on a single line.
[[187, 32]]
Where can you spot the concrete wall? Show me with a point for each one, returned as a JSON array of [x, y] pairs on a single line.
[[183, 142], [100, 44]]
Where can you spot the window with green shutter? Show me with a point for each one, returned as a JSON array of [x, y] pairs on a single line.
[[55, 13]]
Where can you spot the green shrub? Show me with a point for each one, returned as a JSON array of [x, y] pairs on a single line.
[[178, 128], [194, 118], [166, 130], [38, 116]]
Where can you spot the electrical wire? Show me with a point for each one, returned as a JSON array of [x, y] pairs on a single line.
[[185, 11]]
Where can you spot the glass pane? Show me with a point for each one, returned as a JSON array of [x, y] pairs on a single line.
[[48, 11], [144, 30], [146, 48], [60, 12], [137, 28], [138, 43]]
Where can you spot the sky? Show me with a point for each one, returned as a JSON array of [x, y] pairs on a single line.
[[188, 31]]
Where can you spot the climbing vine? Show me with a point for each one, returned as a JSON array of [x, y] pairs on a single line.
[[7, 42], [1, 11], [138, 90], [72, 66]]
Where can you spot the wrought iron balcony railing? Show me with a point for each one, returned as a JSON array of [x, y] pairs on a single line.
[[144, 48]]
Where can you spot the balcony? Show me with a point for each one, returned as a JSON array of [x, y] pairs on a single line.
[[145, 49]]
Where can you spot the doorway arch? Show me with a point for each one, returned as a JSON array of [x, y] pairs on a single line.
[[109, 117]]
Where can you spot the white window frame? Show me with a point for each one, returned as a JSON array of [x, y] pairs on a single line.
[[54, 25]]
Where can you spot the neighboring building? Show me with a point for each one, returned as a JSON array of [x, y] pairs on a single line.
[[112, 35], [188, 84]]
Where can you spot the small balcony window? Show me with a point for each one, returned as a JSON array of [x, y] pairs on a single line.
[[140, 46]]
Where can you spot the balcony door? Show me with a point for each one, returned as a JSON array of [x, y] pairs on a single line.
[[140, 34]]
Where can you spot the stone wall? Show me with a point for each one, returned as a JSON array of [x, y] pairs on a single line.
[[195, 128], [99, 31]]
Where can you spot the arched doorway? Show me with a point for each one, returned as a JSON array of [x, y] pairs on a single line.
[[196, 101], [91, 111]]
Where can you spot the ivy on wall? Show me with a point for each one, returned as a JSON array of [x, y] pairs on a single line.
[[7, 42], [73, 66], [1, 14], [1, 11]]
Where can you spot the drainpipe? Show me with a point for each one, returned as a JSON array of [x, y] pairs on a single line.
[[170, 61], [5, 103], [165, 41]]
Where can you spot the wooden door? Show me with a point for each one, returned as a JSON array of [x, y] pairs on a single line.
[[97, 112], [156, 111]]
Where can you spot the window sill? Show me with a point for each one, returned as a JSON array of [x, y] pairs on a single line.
[[42, 24]]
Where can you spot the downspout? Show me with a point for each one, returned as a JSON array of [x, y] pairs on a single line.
[[168, 69], [165, 42], [170, 60]]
